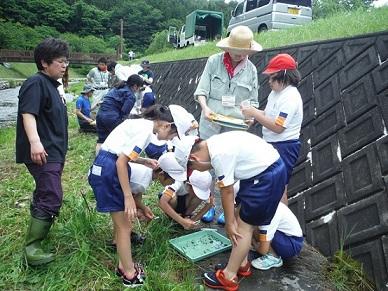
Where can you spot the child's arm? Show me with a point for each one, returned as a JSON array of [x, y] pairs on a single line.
[[150, 163], [260, 116], [186, 223], [122, 172], [227, 199], [140, 205]]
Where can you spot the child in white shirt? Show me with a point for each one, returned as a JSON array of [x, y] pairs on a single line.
[[238, 155]]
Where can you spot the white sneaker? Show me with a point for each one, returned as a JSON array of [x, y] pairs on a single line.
[[267, 261]]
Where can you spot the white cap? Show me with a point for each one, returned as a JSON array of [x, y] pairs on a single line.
[[169, 164], [182, 119], [141, 177], [201, 182], [183, 148]]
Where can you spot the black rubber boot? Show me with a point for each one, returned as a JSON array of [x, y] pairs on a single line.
[[36, 233]]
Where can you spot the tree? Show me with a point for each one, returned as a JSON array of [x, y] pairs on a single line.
[[159, 43]]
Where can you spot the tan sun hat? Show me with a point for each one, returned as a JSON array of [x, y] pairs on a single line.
[[240, 40]]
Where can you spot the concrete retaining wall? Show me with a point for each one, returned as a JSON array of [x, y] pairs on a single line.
[[339, 188]]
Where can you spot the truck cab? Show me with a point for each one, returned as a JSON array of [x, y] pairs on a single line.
[[200, 26]]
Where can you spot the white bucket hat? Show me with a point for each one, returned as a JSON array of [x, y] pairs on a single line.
[[240, 41], [169, 164], [141, 177], [183, 120], [183, 148], [201, 182]]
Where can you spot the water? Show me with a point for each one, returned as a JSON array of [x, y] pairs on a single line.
[[8, 106]]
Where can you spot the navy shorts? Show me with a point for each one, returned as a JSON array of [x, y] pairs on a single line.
[[289, 152], [286, 246], [106, 123], [154, 151], [259, 196], [105, 183]]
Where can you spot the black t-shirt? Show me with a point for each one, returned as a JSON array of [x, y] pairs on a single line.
[[146, 73], [39, 96]]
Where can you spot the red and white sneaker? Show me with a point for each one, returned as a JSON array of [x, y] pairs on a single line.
[[244, 271], [217, 280]]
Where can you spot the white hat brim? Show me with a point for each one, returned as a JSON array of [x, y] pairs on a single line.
[[201, 194], [179, 176]]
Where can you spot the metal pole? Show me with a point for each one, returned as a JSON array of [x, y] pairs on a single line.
[[121, 38]]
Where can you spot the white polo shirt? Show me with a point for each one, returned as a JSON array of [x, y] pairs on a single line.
[[130, 138], [286, 109], [239, 155], [285, 221]]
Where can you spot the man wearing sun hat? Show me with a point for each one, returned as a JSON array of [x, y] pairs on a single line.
[[228, 79], [146, 72], [83, 109]]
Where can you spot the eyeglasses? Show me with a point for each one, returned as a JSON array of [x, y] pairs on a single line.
[[62, 62]]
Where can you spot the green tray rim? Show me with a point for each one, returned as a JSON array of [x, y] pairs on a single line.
[[212, 232]]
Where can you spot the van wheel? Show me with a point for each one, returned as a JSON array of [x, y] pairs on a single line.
[[262, 28]]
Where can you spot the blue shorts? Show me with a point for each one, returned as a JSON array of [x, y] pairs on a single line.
[[286, 246], [105, 183], [154, 151], [259, 196], [289, 152]]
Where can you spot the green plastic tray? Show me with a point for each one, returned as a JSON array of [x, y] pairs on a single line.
[[202, 244]]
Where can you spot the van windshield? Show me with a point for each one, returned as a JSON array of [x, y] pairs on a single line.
[[306, 3]]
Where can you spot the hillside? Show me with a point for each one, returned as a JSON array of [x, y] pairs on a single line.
[[344, 24]]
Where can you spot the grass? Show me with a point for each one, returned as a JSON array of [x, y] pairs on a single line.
[[25, 70], [79, 234], [345, 24], [347, 274]]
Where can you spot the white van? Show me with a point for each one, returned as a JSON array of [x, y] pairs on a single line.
[[261, 15]]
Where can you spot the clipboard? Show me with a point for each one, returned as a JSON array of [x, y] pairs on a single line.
[[228, 121]]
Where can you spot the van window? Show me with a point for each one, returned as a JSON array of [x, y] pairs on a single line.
[[251, 4], [263, 2], [239, 9], [306, 3]]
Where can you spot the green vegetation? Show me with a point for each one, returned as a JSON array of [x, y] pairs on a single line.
[[95, 25], [79, 236], [25, 70], [347, 274], [343, 24]]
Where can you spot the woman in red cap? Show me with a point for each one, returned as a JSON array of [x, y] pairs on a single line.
[[283, 114]]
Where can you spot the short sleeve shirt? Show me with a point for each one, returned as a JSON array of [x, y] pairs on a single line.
[[285, 221], [130, 138], [147, 74], [39, 96], [83, 104], [98, 77], [286, 109], [239, 155]]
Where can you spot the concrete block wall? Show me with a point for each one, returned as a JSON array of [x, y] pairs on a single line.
[[339, 188]]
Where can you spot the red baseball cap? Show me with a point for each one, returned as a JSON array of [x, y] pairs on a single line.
[[280, 62]]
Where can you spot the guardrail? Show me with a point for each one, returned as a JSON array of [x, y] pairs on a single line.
[[27, 56]]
